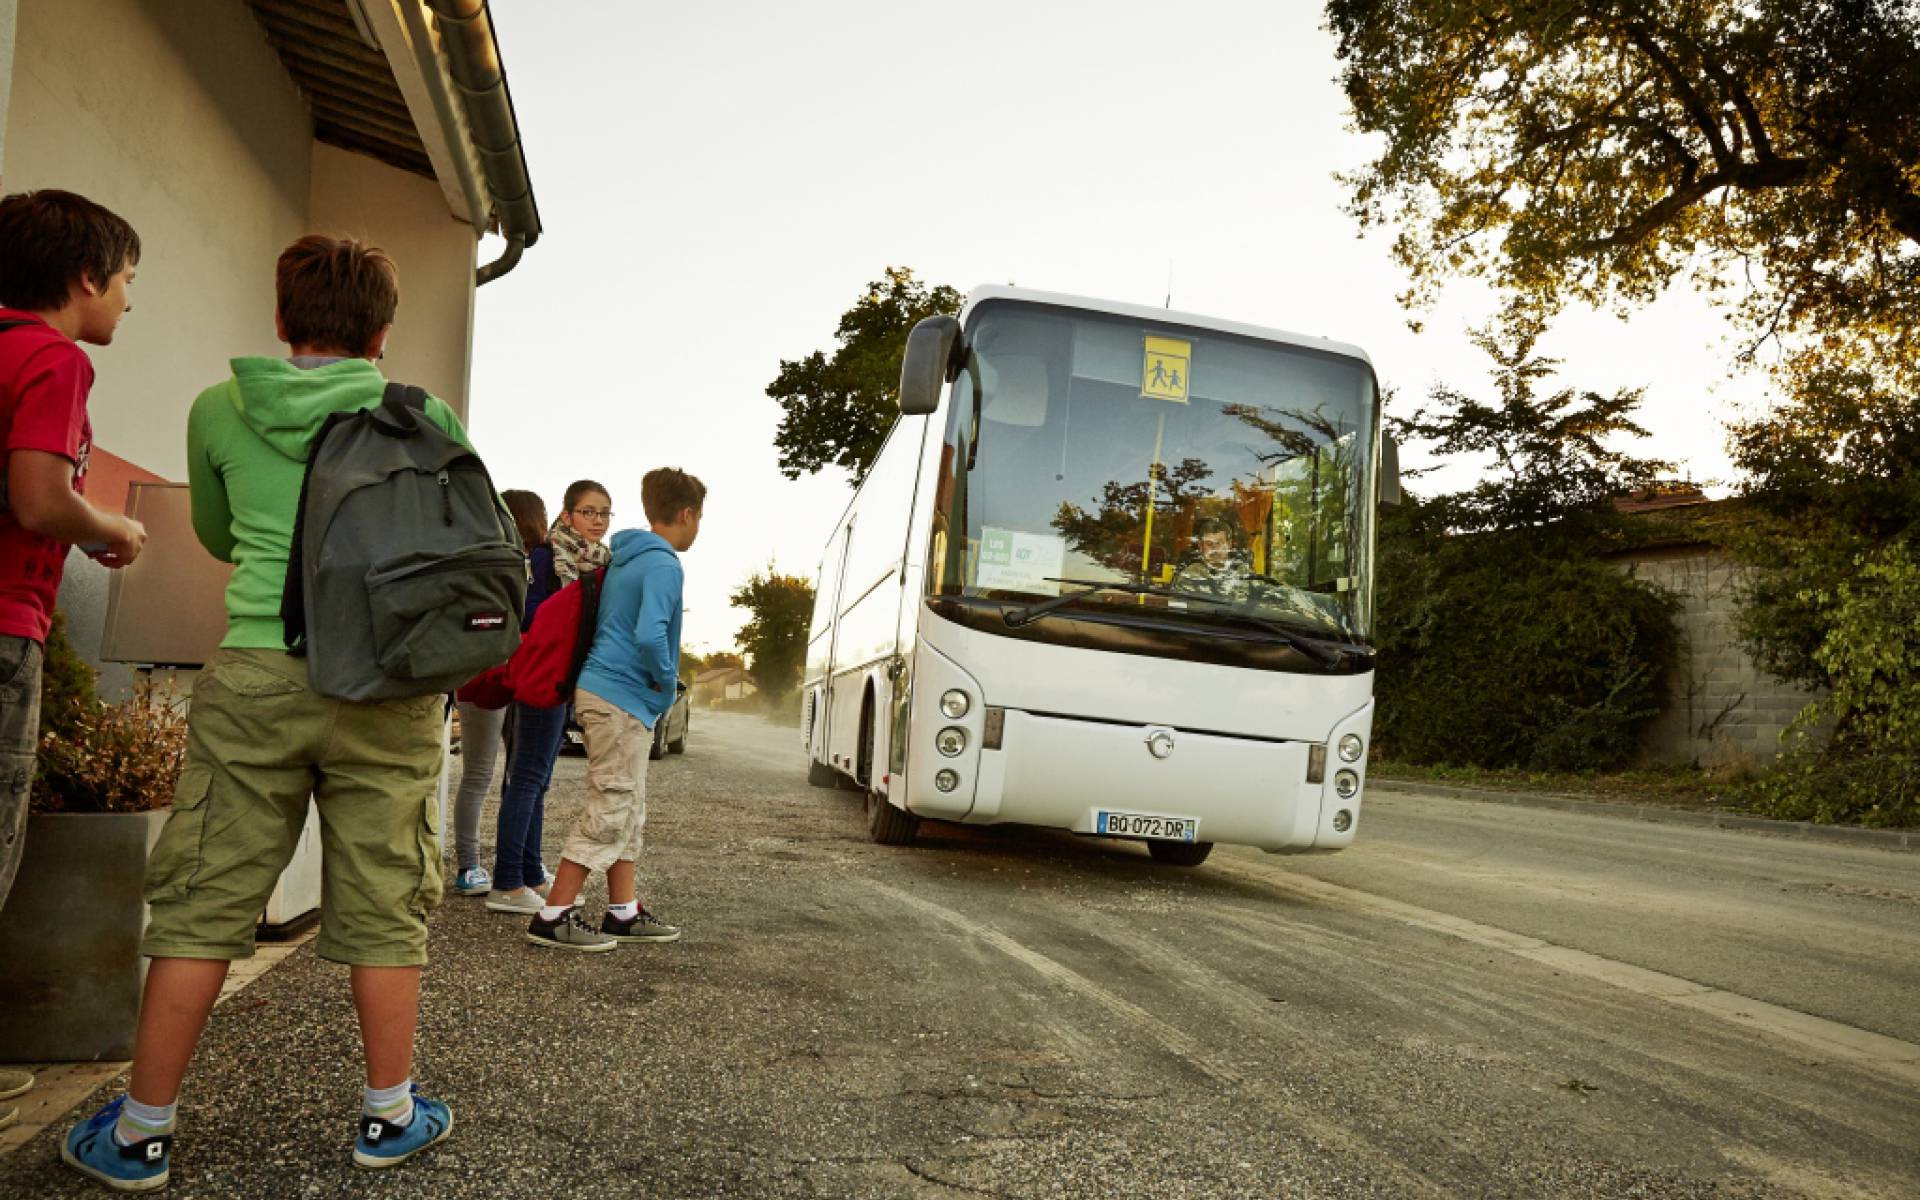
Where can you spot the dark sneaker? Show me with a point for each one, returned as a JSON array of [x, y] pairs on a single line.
[[383, 1144], [91, 1150], [644, 927], [568, 932]]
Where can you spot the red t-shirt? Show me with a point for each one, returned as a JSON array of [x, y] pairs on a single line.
[[44, 378]]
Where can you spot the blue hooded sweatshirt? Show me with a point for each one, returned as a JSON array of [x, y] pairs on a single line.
[[635, 660]]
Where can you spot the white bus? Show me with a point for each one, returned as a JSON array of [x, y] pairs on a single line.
[[1110, 573]]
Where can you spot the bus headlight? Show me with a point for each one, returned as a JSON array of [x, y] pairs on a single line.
[[950, 741], [1346, 783], [1351, 747], [946, 781], [955, 704]]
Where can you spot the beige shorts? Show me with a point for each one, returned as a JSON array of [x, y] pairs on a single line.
[[612, 825]]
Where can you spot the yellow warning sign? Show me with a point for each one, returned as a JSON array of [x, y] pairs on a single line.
[[1163, 374]]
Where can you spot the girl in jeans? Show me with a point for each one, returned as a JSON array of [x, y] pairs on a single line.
[[573, 547], [481, 728]]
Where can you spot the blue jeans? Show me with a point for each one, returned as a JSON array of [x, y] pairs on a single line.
[[537, 733]]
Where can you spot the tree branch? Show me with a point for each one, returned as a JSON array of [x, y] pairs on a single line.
[[1703, 120]]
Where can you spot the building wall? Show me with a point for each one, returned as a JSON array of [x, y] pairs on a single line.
[[190, 129], [179, 116], [1723, 710], [405, 215]]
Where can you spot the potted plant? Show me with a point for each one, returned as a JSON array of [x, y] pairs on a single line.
[[70, 965]]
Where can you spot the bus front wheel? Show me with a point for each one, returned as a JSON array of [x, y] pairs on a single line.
[[1180, 854], [888, 825]]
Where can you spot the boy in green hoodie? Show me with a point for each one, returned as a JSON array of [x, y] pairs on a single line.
[[261, 741]]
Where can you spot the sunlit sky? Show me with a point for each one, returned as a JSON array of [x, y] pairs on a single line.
[[718, 182]]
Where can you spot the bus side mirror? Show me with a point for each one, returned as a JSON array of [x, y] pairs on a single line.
[[1389, 470], [933, 351]]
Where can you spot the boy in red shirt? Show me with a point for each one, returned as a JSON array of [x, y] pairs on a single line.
[[65, 263]]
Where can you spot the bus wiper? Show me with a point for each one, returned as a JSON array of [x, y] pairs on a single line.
[[1327, 654]]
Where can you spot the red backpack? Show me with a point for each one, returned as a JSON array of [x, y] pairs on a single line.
[[543, 671]]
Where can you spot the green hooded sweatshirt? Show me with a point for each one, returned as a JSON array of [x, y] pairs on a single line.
[[247, 443]]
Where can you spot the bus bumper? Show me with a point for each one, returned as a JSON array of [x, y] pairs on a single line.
[[1062, 772]]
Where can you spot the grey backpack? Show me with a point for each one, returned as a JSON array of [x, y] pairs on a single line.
[[406, 575]]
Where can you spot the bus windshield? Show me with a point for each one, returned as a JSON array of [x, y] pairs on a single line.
[[1083, 448]]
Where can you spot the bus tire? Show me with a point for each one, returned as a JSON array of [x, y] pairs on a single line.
[[1180, 854], [888, 825], [820, 774]]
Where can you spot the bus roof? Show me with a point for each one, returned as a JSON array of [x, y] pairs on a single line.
[[1143, 312]]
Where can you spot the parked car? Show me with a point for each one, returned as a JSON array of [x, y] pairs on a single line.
[[669, 733]]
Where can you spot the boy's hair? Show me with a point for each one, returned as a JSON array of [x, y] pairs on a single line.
[[50, 239], [579, 488], [529, 516], [335, 293], [665, 491]]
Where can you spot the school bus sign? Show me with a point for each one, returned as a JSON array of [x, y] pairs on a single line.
[[1165, 371]]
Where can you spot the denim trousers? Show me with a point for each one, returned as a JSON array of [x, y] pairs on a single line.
[[537, 733]]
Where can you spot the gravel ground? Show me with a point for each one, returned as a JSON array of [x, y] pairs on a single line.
[[1005, 1013]]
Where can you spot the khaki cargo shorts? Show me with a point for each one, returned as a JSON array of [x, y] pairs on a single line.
[[260, 742], [611, 826]]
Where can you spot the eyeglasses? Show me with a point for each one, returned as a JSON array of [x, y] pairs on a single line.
[[595, 514]]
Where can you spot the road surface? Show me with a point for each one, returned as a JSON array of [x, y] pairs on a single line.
[[1474, 1001]]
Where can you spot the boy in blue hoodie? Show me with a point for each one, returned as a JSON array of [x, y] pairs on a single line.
[[628, 683]]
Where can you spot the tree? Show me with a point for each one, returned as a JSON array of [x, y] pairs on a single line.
[[692, 666], [836, 411], [1553, 470], [1596, 149], [1505, 637], [775, 638]]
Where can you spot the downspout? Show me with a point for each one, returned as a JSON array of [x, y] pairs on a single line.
[[473, 56]]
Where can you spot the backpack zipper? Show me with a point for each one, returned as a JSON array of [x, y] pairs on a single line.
[[446, 498]]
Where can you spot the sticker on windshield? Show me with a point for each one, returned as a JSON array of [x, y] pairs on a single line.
[[1164, 371], [1014, 560]]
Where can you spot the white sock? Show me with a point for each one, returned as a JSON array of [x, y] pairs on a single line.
[[553, 912], [627, 911], [393, 1105], [138, 1121]]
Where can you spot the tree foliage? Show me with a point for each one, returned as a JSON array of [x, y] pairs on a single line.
[[775, 637], [1505, 637], [837, 410], [1595, 150]]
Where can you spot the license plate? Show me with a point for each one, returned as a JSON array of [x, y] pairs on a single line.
[[1145, 825]]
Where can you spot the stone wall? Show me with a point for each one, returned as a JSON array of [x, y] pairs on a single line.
[[1723, 711]]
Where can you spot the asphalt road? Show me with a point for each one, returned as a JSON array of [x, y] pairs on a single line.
[[1474, 1001]]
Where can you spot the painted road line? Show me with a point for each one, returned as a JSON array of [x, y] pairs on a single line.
[[1869, 1051]]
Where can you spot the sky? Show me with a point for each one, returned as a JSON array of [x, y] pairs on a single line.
[[719, 182]]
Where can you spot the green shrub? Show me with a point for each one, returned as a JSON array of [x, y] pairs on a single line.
[[1497, 655], [67, 683], [1867, 771]]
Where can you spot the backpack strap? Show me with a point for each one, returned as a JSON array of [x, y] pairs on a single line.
[[590, 584], [15, 323], [293, 593]]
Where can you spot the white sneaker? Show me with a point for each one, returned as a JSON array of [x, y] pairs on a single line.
[[519, 903]]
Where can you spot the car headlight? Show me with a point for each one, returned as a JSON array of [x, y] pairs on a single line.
[[1346, 783], [946, 781], [950, 741], [1351, 747], [955, 704]]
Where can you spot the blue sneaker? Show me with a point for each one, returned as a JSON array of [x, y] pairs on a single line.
[[383, 1145], [473, 881], [91, 1150]]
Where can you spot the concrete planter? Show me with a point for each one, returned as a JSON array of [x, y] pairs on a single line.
[[70, 965]]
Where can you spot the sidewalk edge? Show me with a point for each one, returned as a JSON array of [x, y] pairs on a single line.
[[1884, 839]]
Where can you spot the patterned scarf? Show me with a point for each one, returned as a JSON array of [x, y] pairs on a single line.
[[573, 553]]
